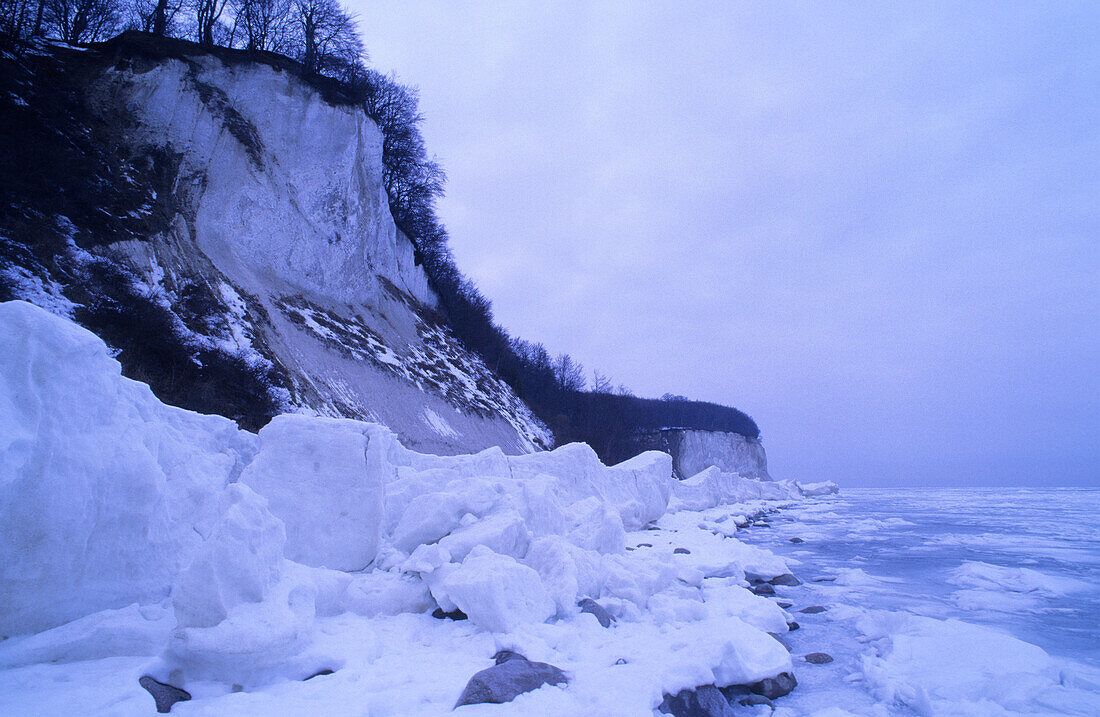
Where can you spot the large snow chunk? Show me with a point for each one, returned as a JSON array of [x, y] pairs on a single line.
[[497, 593], [815, 489], [431, 516], [382, 593], [639, 488], [597, 526], [568, 573], [105, 493], [241, 617], [322, 479], [712, 487], [503, 533], [237, 564]]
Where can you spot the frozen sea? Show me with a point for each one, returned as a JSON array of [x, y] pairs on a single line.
[[1022, 562]]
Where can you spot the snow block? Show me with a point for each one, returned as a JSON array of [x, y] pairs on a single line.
[[711, 487], [105, 492], [496, 592], [323, 482], [241, 616]]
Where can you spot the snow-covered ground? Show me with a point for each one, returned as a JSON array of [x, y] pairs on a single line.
[[297, 572]]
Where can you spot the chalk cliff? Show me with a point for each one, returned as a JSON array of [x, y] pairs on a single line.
[[261, 222], [695, 450]]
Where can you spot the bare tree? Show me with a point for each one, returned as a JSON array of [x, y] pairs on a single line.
[[155, 16], [207, 15], [568, 373], [326, 34], [20, 19], [265, 24], [600, 383], [82, 20]]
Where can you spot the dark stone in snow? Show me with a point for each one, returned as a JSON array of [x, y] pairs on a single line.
[[819, 658], [455, 614], [512, 675], [824, 580], [785, 579], [783, 604], [761, 524], [764, 589], [812, 610], [682, 551], [592, 607], [774, 687], [645, 545], [792, 626], [797, 540], [321, 673], [704, 701], [620, 661], [164, 695]]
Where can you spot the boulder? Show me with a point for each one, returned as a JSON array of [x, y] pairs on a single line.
[[163, 695], [818, 658], [764, 589], [785, 579], [456, 614], [592, 607], [774, 687], [796, 541], [703, 701], [813, 609], [512, 675]]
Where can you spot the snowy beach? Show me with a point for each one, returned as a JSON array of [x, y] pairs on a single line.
[[323, 567]]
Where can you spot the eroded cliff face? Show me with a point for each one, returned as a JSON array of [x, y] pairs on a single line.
[[273, 242], [694, 450]]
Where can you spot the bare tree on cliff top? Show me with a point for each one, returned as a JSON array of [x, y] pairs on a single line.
[[326, 34], [82, 20], [265, 24]]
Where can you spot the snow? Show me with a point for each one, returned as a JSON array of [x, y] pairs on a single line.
[[143, 539], [496, 592], [323, 481], [105, 493]]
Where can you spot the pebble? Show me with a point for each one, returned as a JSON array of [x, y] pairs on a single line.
[[818, 658]]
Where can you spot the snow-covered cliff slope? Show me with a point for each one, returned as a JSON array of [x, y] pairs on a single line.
[[275, 243], [695, 450]]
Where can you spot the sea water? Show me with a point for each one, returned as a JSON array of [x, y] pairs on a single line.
[[1021, 561]]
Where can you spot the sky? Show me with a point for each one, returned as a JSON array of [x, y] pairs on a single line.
[[874, 227]]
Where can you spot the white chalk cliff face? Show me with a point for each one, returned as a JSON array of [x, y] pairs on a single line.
[[281, 212], [694, 451]]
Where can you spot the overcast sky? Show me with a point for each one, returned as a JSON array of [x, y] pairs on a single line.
[[874, 227]]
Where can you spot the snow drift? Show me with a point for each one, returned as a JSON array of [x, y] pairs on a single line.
[[116, 508]]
